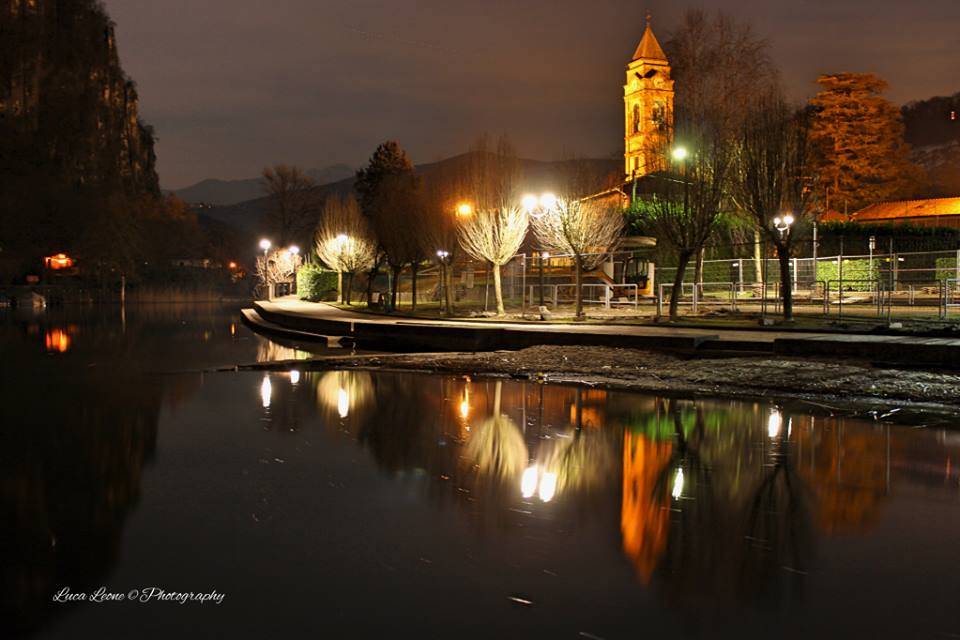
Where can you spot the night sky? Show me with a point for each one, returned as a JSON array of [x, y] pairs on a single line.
[[234, 85]]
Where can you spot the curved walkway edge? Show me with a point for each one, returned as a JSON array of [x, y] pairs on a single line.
[[306, 321]]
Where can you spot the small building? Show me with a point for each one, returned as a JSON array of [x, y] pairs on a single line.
[[929, 212]]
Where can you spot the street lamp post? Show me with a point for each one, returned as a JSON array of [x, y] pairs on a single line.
[[543, 256], [265, 245], [442, 257], [537, 208]]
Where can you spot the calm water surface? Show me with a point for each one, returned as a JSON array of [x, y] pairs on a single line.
[[355, 504]]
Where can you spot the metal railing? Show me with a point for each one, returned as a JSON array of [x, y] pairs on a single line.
[[606, 297]]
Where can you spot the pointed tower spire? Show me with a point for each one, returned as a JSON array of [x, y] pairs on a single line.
[[649, 48]]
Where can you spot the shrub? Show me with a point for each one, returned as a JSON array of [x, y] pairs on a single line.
[[853, 271], [315, 283], [946, 268]]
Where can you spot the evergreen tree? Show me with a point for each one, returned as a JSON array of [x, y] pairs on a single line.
[[859, 137]]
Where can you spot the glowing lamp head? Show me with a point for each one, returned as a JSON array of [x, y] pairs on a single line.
[[680, 154], [777, 221], [788, 219], [529, 202], [265, 244], [464, 209], [342, 240], [548, 201], [294, 249]]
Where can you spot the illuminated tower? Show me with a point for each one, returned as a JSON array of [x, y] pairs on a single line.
[[648, 107]]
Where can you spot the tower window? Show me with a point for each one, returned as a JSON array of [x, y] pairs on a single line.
[[636, 118]]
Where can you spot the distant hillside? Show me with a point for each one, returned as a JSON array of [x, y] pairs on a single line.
[[536, 176], [229, 192], [933, 128]]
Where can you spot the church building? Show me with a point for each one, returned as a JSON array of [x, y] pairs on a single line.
[[648, 108]]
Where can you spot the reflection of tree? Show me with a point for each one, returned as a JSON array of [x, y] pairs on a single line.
[[71, 457], [344, 392], [496, 446], [777, 524], [846, 466]]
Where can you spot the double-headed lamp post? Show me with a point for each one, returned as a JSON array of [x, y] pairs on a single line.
[[537, 208], [783, 225], [442, 257], [265, 245]]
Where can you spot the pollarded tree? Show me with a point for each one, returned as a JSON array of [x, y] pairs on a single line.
[[859, 136], [587, 230], [773, 180], [343, 241], [495, 236]]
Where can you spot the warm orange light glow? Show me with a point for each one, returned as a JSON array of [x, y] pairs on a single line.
[[464, 209], [57, 340], [58, 261], [232, 265]]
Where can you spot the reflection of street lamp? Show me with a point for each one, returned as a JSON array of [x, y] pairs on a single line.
[[677, 484], [266, 390]]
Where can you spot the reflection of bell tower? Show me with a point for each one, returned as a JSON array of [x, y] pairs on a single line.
[[648, 107]]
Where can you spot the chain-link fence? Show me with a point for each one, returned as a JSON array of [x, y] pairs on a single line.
[[625, 284]]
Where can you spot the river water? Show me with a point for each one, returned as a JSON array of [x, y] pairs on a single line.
[[361, 504]]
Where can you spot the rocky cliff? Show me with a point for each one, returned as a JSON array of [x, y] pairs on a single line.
[[69, 123]]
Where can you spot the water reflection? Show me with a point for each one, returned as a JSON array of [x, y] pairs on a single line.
[[719, 500]]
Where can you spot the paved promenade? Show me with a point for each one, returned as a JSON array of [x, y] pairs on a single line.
[[296, 319]]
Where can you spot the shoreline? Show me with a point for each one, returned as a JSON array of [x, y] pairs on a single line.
[[848, 387]]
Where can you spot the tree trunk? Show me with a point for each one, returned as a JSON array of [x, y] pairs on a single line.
[[578, 283], [786, 282], [413, 285], [757, 257], [698, 267], [349, 288], [395, 286], [682, 260], [371, 278], [497, 291], [448, 288]]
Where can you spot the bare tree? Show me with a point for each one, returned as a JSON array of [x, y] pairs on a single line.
[[442, 192], [493, 173], [587, 230], [280, 265], [720, 67], [494, 235], [773, 184], [293, 206], [343, 241]]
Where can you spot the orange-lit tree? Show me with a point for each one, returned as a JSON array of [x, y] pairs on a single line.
[[862, 156]]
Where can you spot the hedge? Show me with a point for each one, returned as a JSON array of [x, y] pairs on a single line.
[[853, 270], [946, 268], [315, 283]]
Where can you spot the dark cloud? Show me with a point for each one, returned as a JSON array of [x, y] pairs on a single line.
[[233, 85]]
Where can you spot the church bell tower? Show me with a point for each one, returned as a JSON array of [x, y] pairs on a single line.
[[648, 107]]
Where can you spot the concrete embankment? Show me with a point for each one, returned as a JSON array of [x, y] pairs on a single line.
[[298, 320]]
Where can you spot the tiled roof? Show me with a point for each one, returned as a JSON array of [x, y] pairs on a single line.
[[930, 207]]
